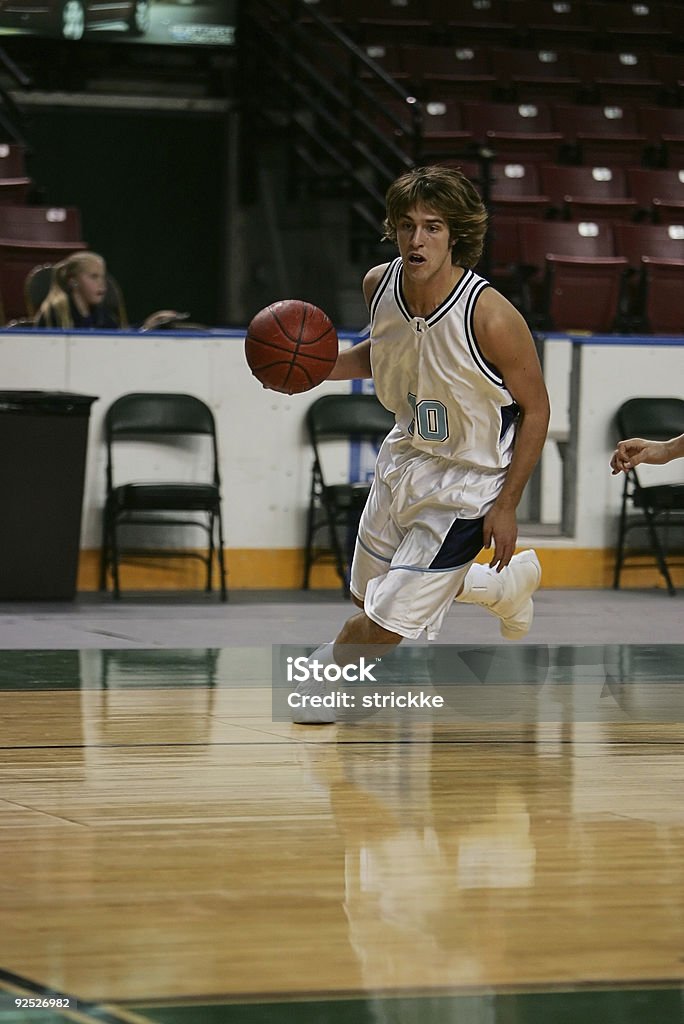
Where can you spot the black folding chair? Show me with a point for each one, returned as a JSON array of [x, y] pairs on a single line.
[[658, 507], [165, 418], [337, 507]]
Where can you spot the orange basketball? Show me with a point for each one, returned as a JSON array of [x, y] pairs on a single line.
[[291, 346]]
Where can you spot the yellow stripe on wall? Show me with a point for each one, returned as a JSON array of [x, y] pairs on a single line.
[[283, 568]]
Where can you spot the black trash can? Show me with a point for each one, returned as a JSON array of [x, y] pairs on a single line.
[[43, 442]]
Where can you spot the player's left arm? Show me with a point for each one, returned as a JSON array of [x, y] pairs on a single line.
[[505, 340]]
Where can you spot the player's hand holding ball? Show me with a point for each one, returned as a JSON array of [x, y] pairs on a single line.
[[291, 346]]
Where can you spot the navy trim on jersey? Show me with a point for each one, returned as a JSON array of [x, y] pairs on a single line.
[[461, 544], [381, 286], [399, 297], [509, 414], [452, 299], [443, 308], [487, 368]]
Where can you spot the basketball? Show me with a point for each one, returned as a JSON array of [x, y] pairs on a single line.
[[291, 346]]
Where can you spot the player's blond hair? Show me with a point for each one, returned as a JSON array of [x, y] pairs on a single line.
[[447, 192]]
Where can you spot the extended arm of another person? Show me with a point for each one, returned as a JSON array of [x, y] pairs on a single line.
[[505, 340], [162, 318], [636, 450]]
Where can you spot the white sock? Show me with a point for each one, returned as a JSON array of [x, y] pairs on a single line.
[[315, 687], [325, 654]]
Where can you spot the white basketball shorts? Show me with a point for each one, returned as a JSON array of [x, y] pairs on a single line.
[[419, 533]]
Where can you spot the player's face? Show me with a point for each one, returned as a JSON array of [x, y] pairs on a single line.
[[90, 283], [424, 243]]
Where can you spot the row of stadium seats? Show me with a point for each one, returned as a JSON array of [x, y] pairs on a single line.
[[563, 192], [490, 73], [591, 275], [619, 133], [656, 22]]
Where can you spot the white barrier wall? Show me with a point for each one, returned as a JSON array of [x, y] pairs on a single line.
[[265, 460]]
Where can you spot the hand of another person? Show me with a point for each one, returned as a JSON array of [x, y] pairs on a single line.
[[161, 318], [636, 450]]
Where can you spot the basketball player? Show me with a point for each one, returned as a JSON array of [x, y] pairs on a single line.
[[636, 450], [456, 363]]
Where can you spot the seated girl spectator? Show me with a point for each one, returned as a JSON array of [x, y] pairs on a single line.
[[77, 297]]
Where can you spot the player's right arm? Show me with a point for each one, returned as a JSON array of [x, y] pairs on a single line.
[[355, 362]]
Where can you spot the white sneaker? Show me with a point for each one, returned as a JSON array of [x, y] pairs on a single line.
[[516, 607], [308, 715], [507, 594]]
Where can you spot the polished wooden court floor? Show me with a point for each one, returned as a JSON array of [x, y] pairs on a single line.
[[173, 851]]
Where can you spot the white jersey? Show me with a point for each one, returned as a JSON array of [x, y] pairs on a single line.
[[448, 400]]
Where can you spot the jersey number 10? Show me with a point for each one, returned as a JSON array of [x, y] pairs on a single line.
[[431, 417]]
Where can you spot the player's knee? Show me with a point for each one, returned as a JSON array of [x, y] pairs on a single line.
[[361, 630]]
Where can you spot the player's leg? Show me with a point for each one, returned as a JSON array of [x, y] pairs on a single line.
[[427, 572], [378, 538]]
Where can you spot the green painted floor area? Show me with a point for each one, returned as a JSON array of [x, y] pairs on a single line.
[[433, 663], [588, 1006], [651, 1006]]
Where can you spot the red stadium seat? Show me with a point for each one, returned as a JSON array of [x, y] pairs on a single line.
[[616, 77], [12, 160], [583, 294], [603, 135], [547, 23], [443, 130], [673, 20], [658, 191], [30, 235], [669, 69], [386, 21], [14, 190], [457, 71], [657, 242], [538, 239], [663, 286], [41, 223], [660, 241], [504, 256], [389, 57], [531, 75], [516, 192], [629, 24], [664, 131], [586, 193], [514, 131], [468, 21]]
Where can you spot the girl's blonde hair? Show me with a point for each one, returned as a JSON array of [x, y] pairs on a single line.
[[55, 308]]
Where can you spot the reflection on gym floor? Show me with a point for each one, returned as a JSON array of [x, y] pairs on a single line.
[[172, 851]]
